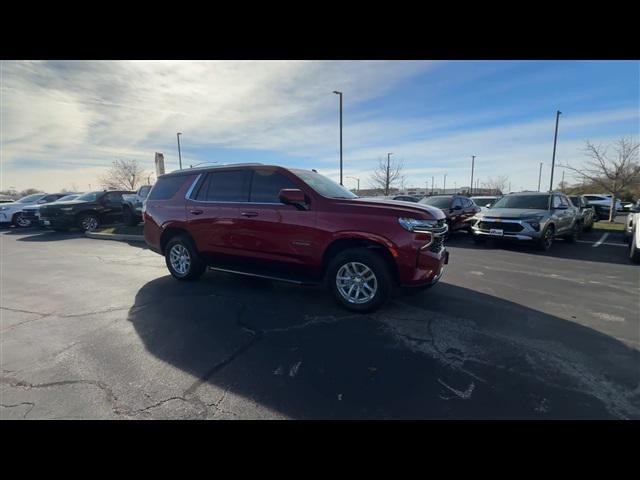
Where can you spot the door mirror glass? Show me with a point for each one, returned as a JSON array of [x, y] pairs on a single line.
[[292, 196]]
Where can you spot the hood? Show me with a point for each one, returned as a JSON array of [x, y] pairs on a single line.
[[512, 213], [14, 206], [402, 208], [63, 204], [31, 206]]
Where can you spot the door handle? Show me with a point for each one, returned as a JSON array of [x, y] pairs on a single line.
[[195, 211], [249, 214]]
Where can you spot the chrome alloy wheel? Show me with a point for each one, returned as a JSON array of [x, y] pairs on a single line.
[[22, 222], [180, 259], [356, 282], [89, 224]]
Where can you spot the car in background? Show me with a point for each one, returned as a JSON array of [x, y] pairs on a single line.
[[32, 212], [602, 205], [132, 206], [87, 212], [587, 212], [528, 216], [485, 202], [458, 210], [407, 198], [11, 213], [632, 233]]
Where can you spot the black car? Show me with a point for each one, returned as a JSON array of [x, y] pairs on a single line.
[[587, 213], [407, 198], [31, 213], [86, 212]]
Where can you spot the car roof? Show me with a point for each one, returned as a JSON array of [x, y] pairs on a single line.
[[212, 168]]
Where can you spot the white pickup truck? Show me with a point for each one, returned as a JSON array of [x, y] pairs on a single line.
[[132, 205]]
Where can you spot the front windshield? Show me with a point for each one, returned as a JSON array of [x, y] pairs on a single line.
[[30, 198], [66, 198], [533, 202], [484, 201], [438, 202], [89, 196], [323, 185]]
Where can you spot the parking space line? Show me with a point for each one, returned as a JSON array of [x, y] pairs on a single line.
[[603, 243], [602, 239]]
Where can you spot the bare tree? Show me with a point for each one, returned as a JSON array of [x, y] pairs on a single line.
[[496, 185], [612, 172], [388, 173], [123, 175]]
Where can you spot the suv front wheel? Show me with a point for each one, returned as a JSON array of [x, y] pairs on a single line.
[[183, 260], [360, 279]]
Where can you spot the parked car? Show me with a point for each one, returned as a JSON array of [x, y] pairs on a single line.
[[529, 216], [293, 225], [132, 206], [11, 213], [406, 198], [86, 212], [587, 212], [602, 205], [32, 212], [632, 233], [458, 209], [485, 202]]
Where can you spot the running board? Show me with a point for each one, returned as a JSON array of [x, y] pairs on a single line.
[[268, 277]]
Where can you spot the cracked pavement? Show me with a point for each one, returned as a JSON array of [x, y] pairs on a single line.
[[95, 329]]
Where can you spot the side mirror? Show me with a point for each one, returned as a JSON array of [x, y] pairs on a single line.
[[488, 205], [293, 196]]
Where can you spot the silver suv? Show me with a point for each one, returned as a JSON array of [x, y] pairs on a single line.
[[530, 216]]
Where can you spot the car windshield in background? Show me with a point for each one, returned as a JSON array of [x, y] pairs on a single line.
[[534, 202], [483, 201], [323, 185], [30, 198], [439, 202], [66, 198], [89, 196]]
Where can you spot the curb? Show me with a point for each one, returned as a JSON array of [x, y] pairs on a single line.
[[115, 236]]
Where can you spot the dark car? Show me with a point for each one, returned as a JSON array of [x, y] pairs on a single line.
[[31, 213], [458, 209], [293, 225], [587, 213], [406, 198], [86, 212]]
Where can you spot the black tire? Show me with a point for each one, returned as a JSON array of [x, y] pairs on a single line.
[[634, 253], [20, 222], [129, 218], [88, 222], [376, 264], [196, 266], [546, 240]]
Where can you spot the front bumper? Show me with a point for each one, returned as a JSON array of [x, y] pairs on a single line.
[[511, 229], [62, 221]]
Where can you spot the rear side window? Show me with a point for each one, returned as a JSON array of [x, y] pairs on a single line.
[[266, 186], [166, 188], [229, 186]]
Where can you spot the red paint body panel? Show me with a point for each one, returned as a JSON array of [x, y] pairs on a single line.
[[285, 234]]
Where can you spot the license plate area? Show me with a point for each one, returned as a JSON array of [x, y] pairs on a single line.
[[496, 231]]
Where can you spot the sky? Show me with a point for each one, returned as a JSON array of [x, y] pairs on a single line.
[[62, 123]]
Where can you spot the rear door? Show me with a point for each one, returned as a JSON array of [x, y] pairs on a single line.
[[213, 210], [271, 230], [111, 204]]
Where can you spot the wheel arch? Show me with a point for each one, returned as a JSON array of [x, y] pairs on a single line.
[[170, 232]]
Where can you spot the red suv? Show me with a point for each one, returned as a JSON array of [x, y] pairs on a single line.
[[293, 225]]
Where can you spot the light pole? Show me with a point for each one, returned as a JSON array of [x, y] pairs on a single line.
[[553, 159], [539, 176], [444, 187], [387, 186], [473, 161], [431, 186], [455, 187], [358, 180], [340, 93], [179, 154]]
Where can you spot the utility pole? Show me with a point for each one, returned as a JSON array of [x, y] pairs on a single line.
[[473, 160], [444, 187], [432, 186], [539, 176], [562, 183], [455, 187], [358, 180], [340, 93], [179, 154], [553, 159], [387, 183], [509, 187]]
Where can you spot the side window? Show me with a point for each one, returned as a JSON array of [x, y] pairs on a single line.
[[51, 198], [266, 185], [468, 203], [113, 197], [229, 186], [556, 201], [166, 188], [457, 202], [565, 201], [144, 191]]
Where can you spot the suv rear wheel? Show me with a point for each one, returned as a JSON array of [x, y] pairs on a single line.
[[546, 240], [21, 222], [89, 222], [183, 260], [360, 279]]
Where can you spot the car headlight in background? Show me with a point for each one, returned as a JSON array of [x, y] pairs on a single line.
[[534, 221], [415, 225]]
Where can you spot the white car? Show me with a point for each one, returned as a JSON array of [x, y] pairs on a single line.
[[632, 232], [602, 205], [11, 213]]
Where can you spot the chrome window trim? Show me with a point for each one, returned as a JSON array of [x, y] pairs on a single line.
[[193, 185]]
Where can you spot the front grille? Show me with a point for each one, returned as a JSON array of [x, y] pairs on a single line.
[[48, 213], [504, 226], [437, 244]]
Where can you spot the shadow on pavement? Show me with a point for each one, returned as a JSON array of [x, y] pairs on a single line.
[[444, 354]]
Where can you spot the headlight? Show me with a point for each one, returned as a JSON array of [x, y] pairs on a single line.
[[533, 219], [415, 225]]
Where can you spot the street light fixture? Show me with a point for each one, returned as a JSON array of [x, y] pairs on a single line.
[[340, 93], [179, 154]]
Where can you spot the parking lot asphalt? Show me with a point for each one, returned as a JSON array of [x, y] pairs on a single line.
[[94, 329]]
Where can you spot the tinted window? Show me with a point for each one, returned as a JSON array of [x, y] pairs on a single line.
[[439, 202], [89, 196], [536, 202], [144, 191], [230, 186], [113, 197], [166, 188], [30, 198], [266, 186], [556, 201], [457, 202]]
